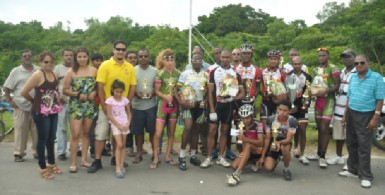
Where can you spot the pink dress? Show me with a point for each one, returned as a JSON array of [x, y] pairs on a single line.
[[118, 109]]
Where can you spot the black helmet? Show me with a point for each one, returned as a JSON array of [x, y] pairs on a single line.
[[247, 48], [274, 53]]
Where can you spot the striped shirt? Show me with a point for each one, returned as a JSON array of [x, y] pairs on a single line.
[[363, 93], [342, 92]]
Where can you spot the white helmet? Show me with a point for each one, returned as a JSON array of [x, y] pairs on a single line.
[[246, 110]]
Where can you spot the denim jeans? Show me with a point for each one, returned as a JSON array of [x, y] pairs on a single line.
[[46, 134], [61, 134]]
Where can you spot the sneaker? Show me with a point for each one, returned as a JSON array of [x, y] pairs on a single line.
[[18, 158], [347, 174], [62, 157], [345, 168], [195, 161], [214, 154], [223, 162], [312, 157], [233, 179], [336, 160], [322, 163], [230, 154], [366, 183], [95, 166], [182, 164], [206, 163], [303, 160], [287, 174]]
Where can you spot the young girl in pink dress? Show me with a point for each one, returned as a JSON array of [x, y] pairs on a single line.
[[119, 114]]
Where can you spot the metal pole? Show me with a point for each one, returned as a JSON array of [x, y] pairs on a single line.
[[189, 32]]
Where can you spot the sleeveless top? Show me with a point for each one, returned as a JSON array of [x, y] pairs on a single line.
[[47, 99]]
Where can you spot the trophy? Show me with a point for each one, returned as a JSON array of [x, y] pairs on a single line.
[[291, 84], [274, 133], [240, 125], [247, 89], [145, 90], [268, 83], [170, 89], [202, 90], [306, 96]]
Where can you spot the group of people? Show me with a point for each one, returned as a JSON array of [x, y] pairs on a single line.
[[125, 95]]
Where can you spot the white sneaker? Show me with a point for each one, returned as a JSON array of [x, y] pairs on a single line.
[[303, 160], [347, 174], [345, 168], [207, 162], [322, 163], [233, 179], [336, 160], [223, 162], [312, 156], [366, 183]]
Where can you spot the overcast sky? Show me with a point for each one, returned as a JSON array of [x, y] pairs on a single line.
[[147, 12]]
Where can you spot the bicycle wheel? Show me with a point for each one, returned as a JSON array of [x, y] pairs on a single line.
[[2, 131]]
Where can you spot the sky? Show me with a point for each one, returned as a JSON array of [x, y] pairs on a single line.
[[147, 12]]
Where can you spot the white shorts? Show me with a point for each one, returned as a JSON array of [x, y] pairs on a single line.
[[102, 127], [339, 132]]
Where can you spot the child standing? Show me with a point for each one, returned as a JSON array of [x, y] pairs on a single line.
[[119, 114]]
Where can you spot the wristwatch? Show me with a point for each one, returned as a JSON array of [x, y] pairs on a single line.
[[378, 113]]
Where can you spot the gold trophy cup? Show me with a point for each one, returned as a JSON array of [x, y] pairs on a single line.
[[241, 126], [170, 89], [268, 83], [274, 133], [306, 96], [247, 89], [145, 90], [202, 90]]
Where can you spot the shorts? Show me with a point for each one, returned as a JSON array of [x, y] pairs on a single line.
[[224, 112], [160, 116], [324, 108], [197, 115], [275, 154], [143, 119], [339, 132], [102, 126], [116, 131], [301, 117]]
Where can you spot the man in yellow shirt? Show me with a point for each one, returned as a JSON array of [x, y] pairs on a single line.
[[114, 68]]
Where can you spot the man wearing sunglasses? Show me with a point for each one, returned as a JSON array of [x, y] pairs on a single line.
[[365, 100], [198, 50], [110, 70], [325, 83], [22, 117]]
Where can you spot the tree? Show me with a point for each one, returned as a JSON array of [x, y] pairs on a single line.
[[329, 9]]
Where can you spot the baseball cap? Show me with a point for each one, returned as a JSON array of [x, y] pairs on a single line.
[[348, 52]]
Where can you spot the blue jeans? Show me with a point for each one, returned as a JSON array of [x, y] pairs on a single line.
[[61, 134], [46, 134]]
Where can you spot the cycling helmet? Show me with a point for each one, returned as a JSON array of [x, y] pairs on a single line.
[[246, 110], [274, 53], [247, 48]]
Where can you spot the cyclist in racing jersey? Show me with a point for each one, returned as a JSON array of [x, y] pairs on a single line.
[[252, 142]]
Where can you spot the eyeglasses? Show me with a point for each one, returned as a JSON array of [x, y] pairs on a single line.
[[143, 56], [168, 57], [359, 63], [46, 62], [322, 49], [236, 54], [121, 49], [196, 61]]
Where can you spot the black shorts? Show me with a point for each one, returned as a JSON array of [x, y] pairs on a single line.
[[224, 112], [299, 116]]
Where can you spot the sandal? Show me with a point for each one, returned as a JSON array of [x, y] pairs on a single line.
[[86, 165], [46, 174], [171, 162], [137, 160], [73, 169], [54, 169], [119, 175]]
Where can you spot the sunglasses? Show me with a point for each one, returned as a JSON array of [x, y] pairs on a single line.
[[46, 62], [143, 56], [196, 61], [168, 57], [359, 63], [236, 54], [121, 49], [322, 49]]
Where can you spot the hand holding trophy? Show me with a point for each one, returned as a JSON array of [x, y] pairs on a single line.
[[275, 126], [170, 89], [241, 126]]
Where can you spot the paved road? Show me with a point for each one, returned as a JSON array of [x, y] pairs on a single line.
[[23, 178]]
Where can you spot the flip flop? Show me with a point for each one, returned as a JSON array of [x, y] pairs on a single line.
[[86, 165], [171, 162], [73, 169], [119, 175], [154, 165], [137, 160]]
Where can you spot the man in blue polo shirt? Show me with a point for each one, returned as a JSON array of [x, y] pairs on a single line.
[[366, 93]]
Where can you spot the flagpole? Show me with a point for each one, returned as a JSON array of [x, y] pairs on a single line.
[[190, 33]]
